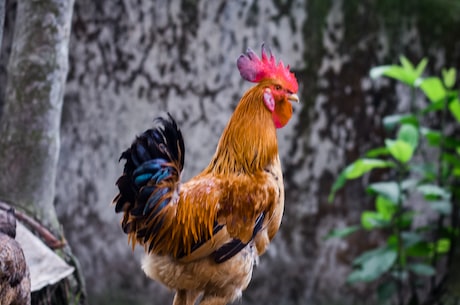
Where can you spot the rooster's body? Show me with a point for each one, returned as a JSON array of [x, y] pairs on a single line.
[[204, 236]]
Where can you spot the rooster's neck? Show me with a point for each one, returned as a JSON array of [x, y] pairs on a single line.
[[248, 143]]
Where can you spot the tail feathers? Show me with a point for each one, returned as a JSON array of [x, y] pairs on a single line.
[[150, 181]]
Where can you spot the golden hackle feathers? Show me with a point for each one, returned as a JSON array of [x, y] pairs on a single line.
[[248, 143]]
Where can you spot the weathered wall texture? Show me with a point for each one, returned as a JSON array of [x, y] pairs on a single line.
[[132, 60]]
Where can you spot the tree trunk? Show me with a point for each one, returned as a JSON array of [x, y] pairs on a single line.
[[30, 123]]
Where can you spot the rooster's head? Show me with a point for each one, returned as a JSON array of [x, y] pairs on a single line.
[[278, 83]]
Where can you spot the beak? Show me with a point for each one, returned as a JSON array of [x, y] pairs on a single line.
[[293, 98]]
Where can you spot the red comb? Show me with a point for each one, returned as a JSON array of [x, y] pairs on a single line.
[[255, 69]]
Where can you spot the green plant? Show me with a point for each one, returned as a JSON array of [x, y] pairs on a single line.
[[420, 163]]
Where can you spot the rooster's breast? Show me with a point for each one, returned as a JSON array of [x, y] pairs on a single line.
[[229, 278]]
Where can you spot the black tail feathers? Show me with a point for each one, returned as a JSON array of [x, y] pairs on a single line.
[[152, 171], [163, 141]]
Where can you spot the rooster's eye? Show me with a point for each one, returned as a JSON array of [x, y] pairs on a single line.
[[277, 87]]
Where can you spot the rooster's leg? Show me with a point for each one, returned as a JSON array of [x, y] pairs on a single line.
[[185, 297]]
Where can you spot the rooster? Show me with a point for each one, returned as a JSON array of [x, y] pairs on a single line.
[[202, 237]]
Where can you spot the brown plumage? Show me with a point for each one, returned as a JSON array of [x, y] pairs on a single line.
[[14, 273], [203, 236]]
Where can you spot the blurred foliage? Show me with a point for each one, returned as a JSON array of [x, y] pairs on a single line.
[[421, 161]]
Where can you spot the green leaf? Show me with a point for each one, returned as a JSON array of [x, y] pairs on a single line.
[[386, 208], [433, 192], [433, 136], [372, 264], [377, 152], [342, 232], [454, 107], [406, 64], [443, 207], [395, 72], [338, 184], [421, 67], [362, 166], [379, 71], [411, 238], [427, 170], [433, 107], [390, 121], [420, 249], [422, 269], [451, 159], [356, 170], [451, 143], [442, 245], [409, 134], [389, 190], [433, 89], [405, 73], [449, 77], [456, 172], [371, 220], [405, 220], [452, 231], [400, 150], [369, 254], [408, 184]]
